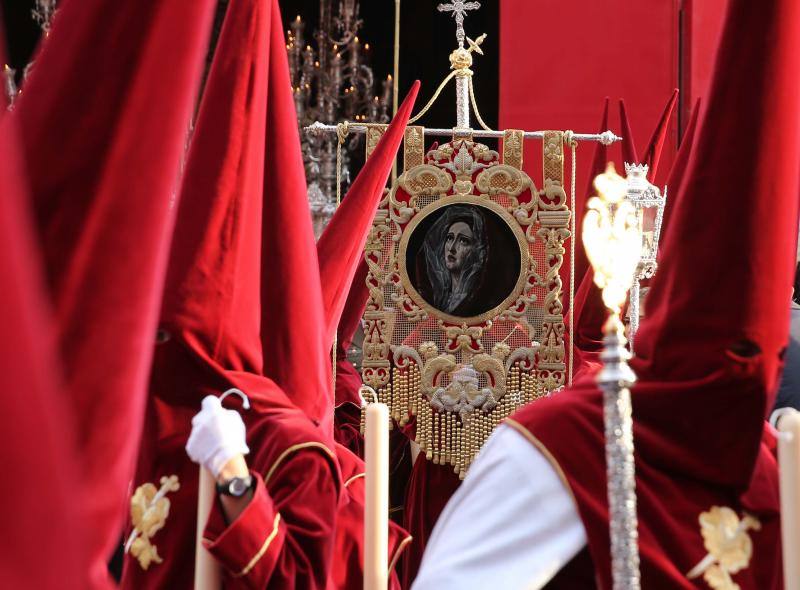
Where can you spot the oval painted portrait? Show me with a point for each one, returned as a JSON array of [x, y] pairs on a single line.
[[463, 259]]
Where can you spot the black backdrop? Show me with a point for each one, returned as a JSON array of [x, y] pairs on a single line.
[[427, 38]]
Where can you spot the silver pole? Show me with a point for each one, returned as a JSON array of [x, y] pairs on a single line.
[[615, 380], [606, 138]]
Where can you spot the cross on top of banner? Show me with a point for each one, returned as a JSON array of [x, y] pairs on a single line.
[[459, 10]]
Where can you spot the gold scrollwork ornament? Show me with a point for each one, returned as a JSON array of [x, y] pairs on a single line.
[[149, 512], [728, 544]]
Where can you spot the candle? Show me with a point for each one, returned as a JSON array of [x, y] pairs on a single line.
[[297, 27], [354, 51], [206, 568], [789, 462], [336, 72], [388, 87], [376, 513]]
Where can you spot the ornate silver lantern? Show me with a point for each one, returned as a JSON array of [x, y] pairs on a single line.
[[649, 204]]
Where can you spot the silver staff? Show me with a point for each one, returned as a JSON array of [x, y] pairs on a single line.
[[612, 236]]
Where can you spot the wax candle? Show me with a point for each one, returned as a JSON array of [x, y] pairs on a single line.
[[789, 461], [206, 568], [376, 514]]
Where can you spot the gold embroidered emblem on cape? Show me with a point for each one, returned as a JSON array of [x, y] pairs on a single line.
[[728, 544], [149, 511]]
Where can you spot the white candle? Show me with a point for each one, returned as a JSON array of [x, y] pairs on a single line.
[[376, 514], [789, 462], [206, 568]]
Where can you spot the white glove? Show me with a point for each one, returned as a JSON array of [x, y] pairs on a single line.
[[218, 435]]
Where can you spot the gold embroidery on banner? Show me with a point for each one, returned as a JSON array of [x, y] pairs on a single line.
[[512, 147], [728, 544], [414, 147], [554, 216], [423, 180], [503, 180], [374, 133], [434, 366], [293, 449], [149, 512], [263, 550]]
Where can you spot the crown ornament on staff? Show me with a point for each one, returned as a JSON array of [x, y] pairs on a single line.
[[612, 236]]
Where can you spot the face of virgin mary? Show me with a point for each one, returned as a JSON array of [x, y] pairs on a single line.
[[458, 245]]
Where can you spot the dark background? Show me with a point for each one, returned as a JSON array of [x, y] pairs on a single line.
[[427, 38]]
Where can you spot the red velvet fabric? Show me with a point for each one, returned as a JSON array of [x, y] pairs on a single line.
[[37, 443], [652, 154], [340, 250], [341, 246], [710, 349], [590, 315], [103, 122], [348, 379], [212, 294], [348, 567], [211, 338], [590, 311], [429, 489], [629, 153], [300, 484], [598, 166], [296, 352], [678, 171]]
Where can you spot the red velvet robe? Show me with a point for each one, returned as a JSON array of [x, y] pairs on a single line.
[[668, 502], [348, 567], [285, 536]]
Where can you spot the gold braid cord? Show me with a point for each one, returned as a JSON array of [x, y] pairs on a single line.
[[464, 322]]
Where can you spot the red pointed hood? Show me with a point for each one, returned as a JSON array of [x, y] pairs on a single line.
[[348, 379], [341, 245], [590, 312], [212, 297], [718, 308], [629, 153], [678, 170], [296, 353], [652, 154], [590, 315], [37, 438], [103, 134], [598, 167], [713, 301]]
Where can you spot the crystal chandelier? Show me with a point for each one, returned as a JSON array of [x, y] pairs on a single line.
[[332, 82], [43, 13]]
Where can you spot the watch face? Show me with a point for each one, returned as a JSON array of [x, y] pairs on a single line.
[[238, 486]]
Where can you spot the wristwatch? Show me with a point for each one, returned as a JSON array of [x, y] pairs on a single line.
[[236, 486]]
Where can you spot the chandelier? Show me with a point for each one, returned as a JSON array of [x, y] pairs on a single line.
[[332, 82]]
